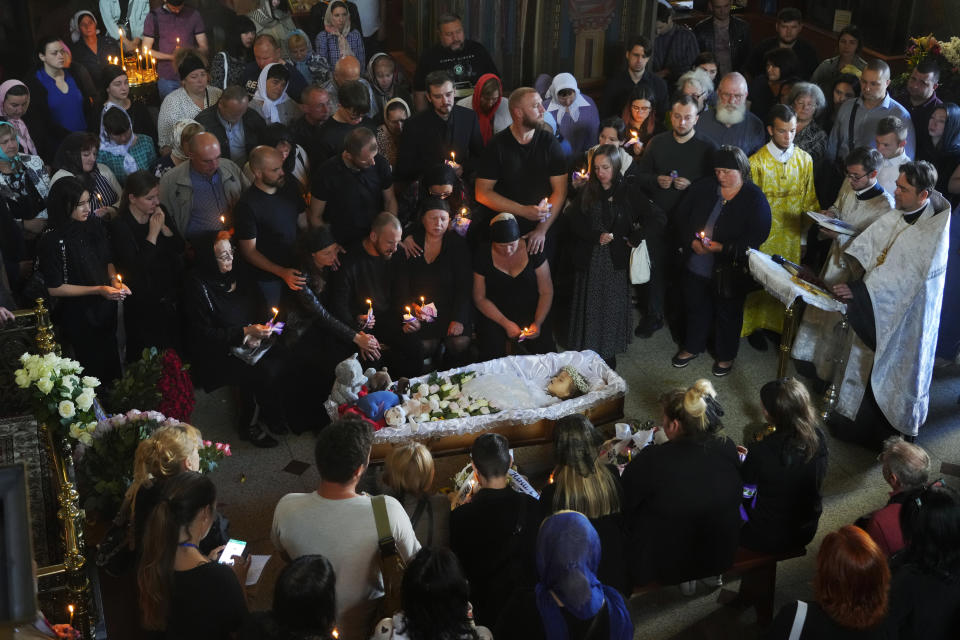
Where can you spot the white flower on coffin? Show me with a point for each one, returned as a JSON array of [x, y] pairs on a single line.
[[423, 390], [90, 382], [66, 409], [22, 378]]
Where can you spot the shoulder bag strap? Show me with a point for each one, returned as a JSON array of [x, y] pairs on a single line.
[[385, 539], [851, 129], [424, 505], [798, 620], [63, 259]]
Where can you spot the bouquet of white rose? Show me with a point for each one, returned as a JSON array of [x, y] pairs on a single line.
[[62, 399]]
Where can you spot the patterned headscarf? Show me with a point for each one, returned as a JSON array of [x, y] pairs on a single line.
[[23, 134]]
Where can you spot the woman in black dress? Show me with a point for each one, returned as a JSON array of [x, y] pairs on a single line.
[[225, 318], [148, 251], [513, 293], [441, 275], [602, 218], [77, 267]]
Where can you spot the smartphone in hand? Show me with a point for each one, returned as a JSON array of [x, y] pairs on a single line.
[[233, 548]]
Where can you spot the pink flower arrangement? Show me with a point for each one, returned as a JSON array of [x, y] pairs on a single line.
[[211, 453]]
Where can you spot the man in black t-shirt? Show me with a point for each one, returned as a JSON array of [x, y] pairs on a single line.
[[354, 104], [266, 225], [465, 60], [522, 171], [348, 191]]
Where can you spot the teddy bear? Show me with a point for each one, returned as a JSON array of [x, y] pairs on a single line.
[[350, 378], [379, 381]]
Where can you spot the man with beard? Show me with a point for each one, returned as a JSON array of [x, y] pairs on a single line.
[[166, 29], [789, 25], [431, 136], [730, 123], [371, 277], [857, 119], [522, 171], [620, 85], [463, 60], [672, 161], [893, 310], [266, 225], [348, 191], [921, 100]]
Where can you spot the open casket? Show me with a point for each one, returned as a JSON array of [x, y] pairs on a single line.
[[522, 426]]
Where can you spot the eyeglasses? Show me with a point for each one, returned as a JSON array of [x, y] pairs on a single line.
[[443, 195], [227, 255], [855, 177], [639, 109]]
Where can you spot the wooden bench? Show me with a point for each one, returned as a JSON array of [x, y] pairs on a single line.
[[758, 572]]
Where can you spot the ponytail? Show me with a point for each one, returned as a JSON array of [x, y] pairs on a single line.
[[185, 495], [696, 409]]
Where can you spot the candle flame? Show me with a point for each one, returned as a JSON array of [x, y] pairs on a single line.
[[408, 310], [119, 278], [70, 608], [422, 300], [335, 633], [453, 156], [223, 220], [550, 481], [463, 211], [369, 302]]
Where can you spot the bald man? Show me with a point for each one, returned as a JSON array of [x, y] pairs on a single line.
[[346, 70], [198, 192], [730, 122], [266, 225]]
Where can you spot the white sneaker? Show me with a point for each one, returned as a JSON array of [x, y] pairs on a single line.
[[688, 588]]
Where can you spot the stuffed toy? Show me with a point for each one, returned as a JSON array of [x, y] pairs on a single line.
[[379, 381], [395, 416], [350, 378], [375, 404]]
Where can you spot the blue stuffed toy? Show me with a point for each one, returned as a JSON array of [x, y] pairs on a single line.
[[374, 405]]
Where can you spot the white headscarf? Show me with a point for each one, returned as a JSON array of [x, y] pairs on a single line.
[[563, 81], [178, 128], [106, 144], [270, 112], [75, 24]]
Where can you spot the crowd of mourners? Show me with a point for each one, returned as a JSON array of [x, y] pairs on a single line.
[[281, 174]]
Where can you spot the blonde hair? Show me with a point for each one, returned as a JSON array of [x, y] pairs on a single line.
[[689, 407], [187, 133], [581, 481], [296, 39], [160, 456], [409, 469]]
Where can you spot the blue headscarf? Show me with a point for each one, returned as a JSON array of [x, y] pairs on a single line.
[[15, 162], [568, 554]]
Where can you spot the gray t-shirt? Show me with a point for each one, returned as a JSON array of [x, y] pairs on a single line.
[[343, 531]]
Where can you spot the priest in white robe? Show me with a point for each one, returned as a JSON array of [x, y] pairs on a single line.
[[861, 201], [894, 311]]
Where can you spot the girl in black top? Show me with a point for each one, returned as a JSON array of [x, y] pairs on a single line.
[[77, 267], [441, 275], [512, 291], [185, 594], [783, 472], [149, 254]]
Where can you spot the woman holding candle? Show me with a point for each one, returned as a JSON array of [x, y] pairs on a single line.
[[57, 104], [441, 275], [225, 316], [603, 219], [724, 217], [641, 119], [439, 181], [77, 267], [148, 251], [513, 292], [77, 157], [191, 98]]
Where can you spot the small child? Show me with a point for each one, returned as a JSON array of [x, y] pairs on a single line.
[[312, 66], [891, 141]]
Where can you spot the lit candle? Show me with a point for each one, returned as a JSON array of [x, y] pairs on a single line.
[[100, 199], [335, 633], [178, 43], [463, 211], [634, 137], [423, 301], [582, 173], [407, 317], [119, 282], [139, 61], [453, 157], [70, 609], [275, 312], [369, 307], [121, 42], [223, 221]]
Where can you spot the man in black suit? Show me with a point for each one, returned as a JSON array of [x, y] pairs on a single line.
[[443, 128], [789, 25]]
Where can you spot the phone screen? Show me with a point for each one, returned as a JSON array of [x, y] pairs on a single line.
[[233, 548]]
